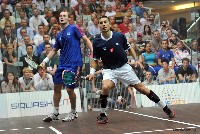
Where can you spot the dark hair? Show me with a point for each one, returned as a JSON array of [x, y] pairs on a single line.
[[149, 32], [185, 59], [146, 42], [104, 17], [15, 81], [29, 45], [40, 25], [23, 29], [165, 60]]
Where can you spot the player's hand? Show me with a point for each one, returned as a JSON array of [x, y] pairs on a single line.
[[90, 77]]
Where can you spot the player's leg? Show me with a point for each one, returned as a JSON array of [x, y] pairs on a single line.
[[72, 96], [107, 85], [56, 100], [58, 84], [152, 96]]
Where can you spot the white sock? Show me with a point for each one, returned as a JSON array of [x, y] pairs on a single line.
[[103, 110], [56, 110], [73, 110], [161, 104]]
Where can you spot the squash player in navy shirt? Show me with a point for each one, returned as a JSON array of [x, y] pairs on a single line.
[[111, 48], [68, 40]]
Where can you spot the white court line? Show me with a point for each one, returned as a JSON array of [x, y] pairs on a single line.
[[55, 130], [170, 120], [2, 130], [14, 129]]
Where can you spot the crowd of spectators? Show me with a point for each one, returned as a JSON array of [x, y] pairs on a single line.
[[29, 27]]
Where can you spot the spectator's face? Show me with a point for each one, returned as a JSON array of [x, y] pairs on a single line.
[[173, 37], [3, 6], [46, 38], [145, 14], [41, 71], [129, 12], [138, 19], [109, 8], [53, 20], [104, 24], [164, 44], [112, 20], [116, 27], [95, 21], [123, 7], [7, 14], [23, 23], [8, 23], [29, 50], [140, 4], [27, 74], [7, 30], [148, 48], [165, 65], [146, 28], [79, 22], [179, 45], [27, 40], [23, 32], [46, 29], [148, 75], [185, 64], [130, 27], [18, 7], [41, 29], [10, 76], [126, 20], [48, 48], [63, 19], [169, 33], [29, 2], [9, 49], [156, 35], [35, 13], [46, 10], [22, 14]]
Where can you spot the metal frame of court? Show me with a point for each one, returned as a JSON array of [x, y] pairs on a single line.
[[128, 121]]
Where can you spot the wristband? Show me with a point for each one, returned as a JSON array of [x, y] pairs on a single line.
[[46, 60], [92, 70]]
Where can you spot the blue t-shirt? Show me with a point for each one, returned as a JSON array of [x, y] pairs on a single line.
[[149, 58], [112, 52], [168, 55], [68, 40]]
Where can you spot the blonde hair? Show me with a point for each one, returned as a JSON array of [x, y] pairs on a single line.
[[26, 69]]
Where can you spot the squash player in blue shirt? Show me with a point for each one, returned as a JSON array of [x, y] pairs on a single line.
[[68, 40], [111, 47]]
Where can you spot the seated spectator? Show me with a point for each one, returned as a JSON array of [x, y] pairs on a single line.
[[79, 8], [186, 73], [29, 60], [194, 45], [26, 81], [147, 33], [53, 62], [138, 26], [149, 58], [10, 84], [173, 41], [180, 53], [131, 35], [116, 28], [165, 53], [38, 38], [156, 41], [7, 38], [42, 80], [152, 24], [94, 29], [109, 11], [140, 9], [149, 80], [41, 47], [110, 2], [53, 4], [36, 20], [124, 26], [10, 58], [7, 16], [40, 4], [28, 29], [166, 75], [22, 49]]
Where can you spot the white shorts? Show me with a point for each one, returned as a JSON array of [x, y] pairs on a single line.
[[125, 74]]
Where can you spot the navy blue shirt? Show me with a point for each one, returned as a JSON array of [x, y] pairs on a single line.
[[112, 52], [68, 40]]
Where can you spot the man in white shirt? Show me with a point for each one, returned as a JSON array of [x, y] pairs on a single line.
[[53, 4], [38, 38], [94, 29], [37, 20], [109, 11], [40, 4], [42, 80]]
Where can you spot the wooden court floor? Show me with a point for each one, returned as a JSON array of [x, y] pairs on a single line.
[[128, 121]]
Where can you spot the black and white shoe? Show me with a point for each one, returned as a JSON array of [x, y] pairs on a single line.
[[169, 112], [51, 117], [70, 117]]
